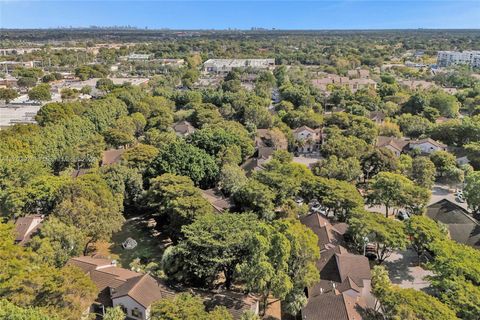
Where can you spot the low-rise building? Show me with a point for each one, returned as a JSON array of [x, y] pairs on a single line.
[[308, 140], [26, 227], [344, 289], [427, 145], [358, 74], [462, 227], [396, 145], [132, 291], [227, 65], [353, 84]]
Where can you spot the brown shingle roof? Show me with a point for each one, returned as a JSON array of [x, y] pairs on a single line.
[[144, 289], [236, 303], [112, 156], [398, 144], [183, 128], [26, 226], [333, 307], [325, 231], [429, 140], [218, 202]]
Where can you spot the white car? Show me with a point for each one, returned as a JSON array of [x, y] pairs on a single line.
[[299, 201], [460, 198], [316, 207]]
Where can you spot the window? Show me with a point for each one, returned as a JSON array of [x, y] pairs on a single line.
[[124, 309], [136, 313]]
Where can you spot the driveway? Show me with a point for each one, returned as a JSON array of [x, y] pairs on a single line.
[[440, 192], [404, 271]]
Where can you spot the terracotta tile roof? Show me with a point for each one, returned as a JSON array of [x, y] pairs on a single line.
[[26, 226], [112, 156]]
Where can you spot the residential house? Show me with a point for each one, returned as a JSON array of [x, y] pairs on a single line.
[[358, 74], [344, 289], [396, 145], [183, 128], [266, 144], [226, 65], [132, 291], [217, 200], [417, 84], [267, 138], [427, 145], [335, 80], [112, 156], [462, 227], [26, 227], [308, 139], [377, 116]]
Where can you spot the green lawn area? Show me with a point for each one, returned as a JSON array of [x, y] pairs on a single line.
[[150, 245]]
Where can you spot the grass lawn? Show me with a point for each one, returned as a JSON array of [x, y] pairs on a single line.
[[150, 244]]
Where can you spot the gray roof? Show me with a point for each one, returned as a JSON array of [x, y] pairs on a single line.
[[462, 227]]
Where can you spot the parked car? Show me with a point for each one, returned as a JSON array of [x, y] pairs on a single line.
[[299, 201], [460, 198], [402, 215]]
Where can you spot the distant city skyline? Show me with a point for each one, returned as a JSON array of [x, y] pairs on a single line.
[[301, 15]]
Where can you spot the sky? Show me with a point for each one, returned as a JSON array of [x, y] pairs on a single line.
[[339, 14]]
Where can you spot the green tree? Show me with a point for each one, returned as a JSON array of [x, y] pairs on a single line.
[[445, 103], [105, 84], [380, 159], [387, 234], [8, 94], [57, 242], [185, 306], [395, 190], [257, 197], [231, 179], [65, 292], [115, 313], [185, 159], [40, 92], [9, 311], [140, 156], [472, 194], [282, 263], [177, 201], [339, 197], [54, 113], [399, 303], [212, 245], [336, 168], [423, 172], [422, 232]]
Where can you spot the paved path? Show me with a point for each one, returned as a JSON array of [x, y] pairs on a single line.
[[404, 271]]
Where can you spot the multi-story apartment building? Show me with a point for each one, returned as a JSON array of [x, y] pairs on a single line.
[[447, 58]]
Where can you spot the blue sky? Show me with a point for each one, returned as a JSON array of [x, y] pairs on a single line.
[[340, 14]]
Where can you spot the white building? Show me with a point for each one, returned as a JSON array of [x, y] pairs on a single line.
[[447, 58], [132, 291], [226, 65], [308, 139], [427, 145]]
